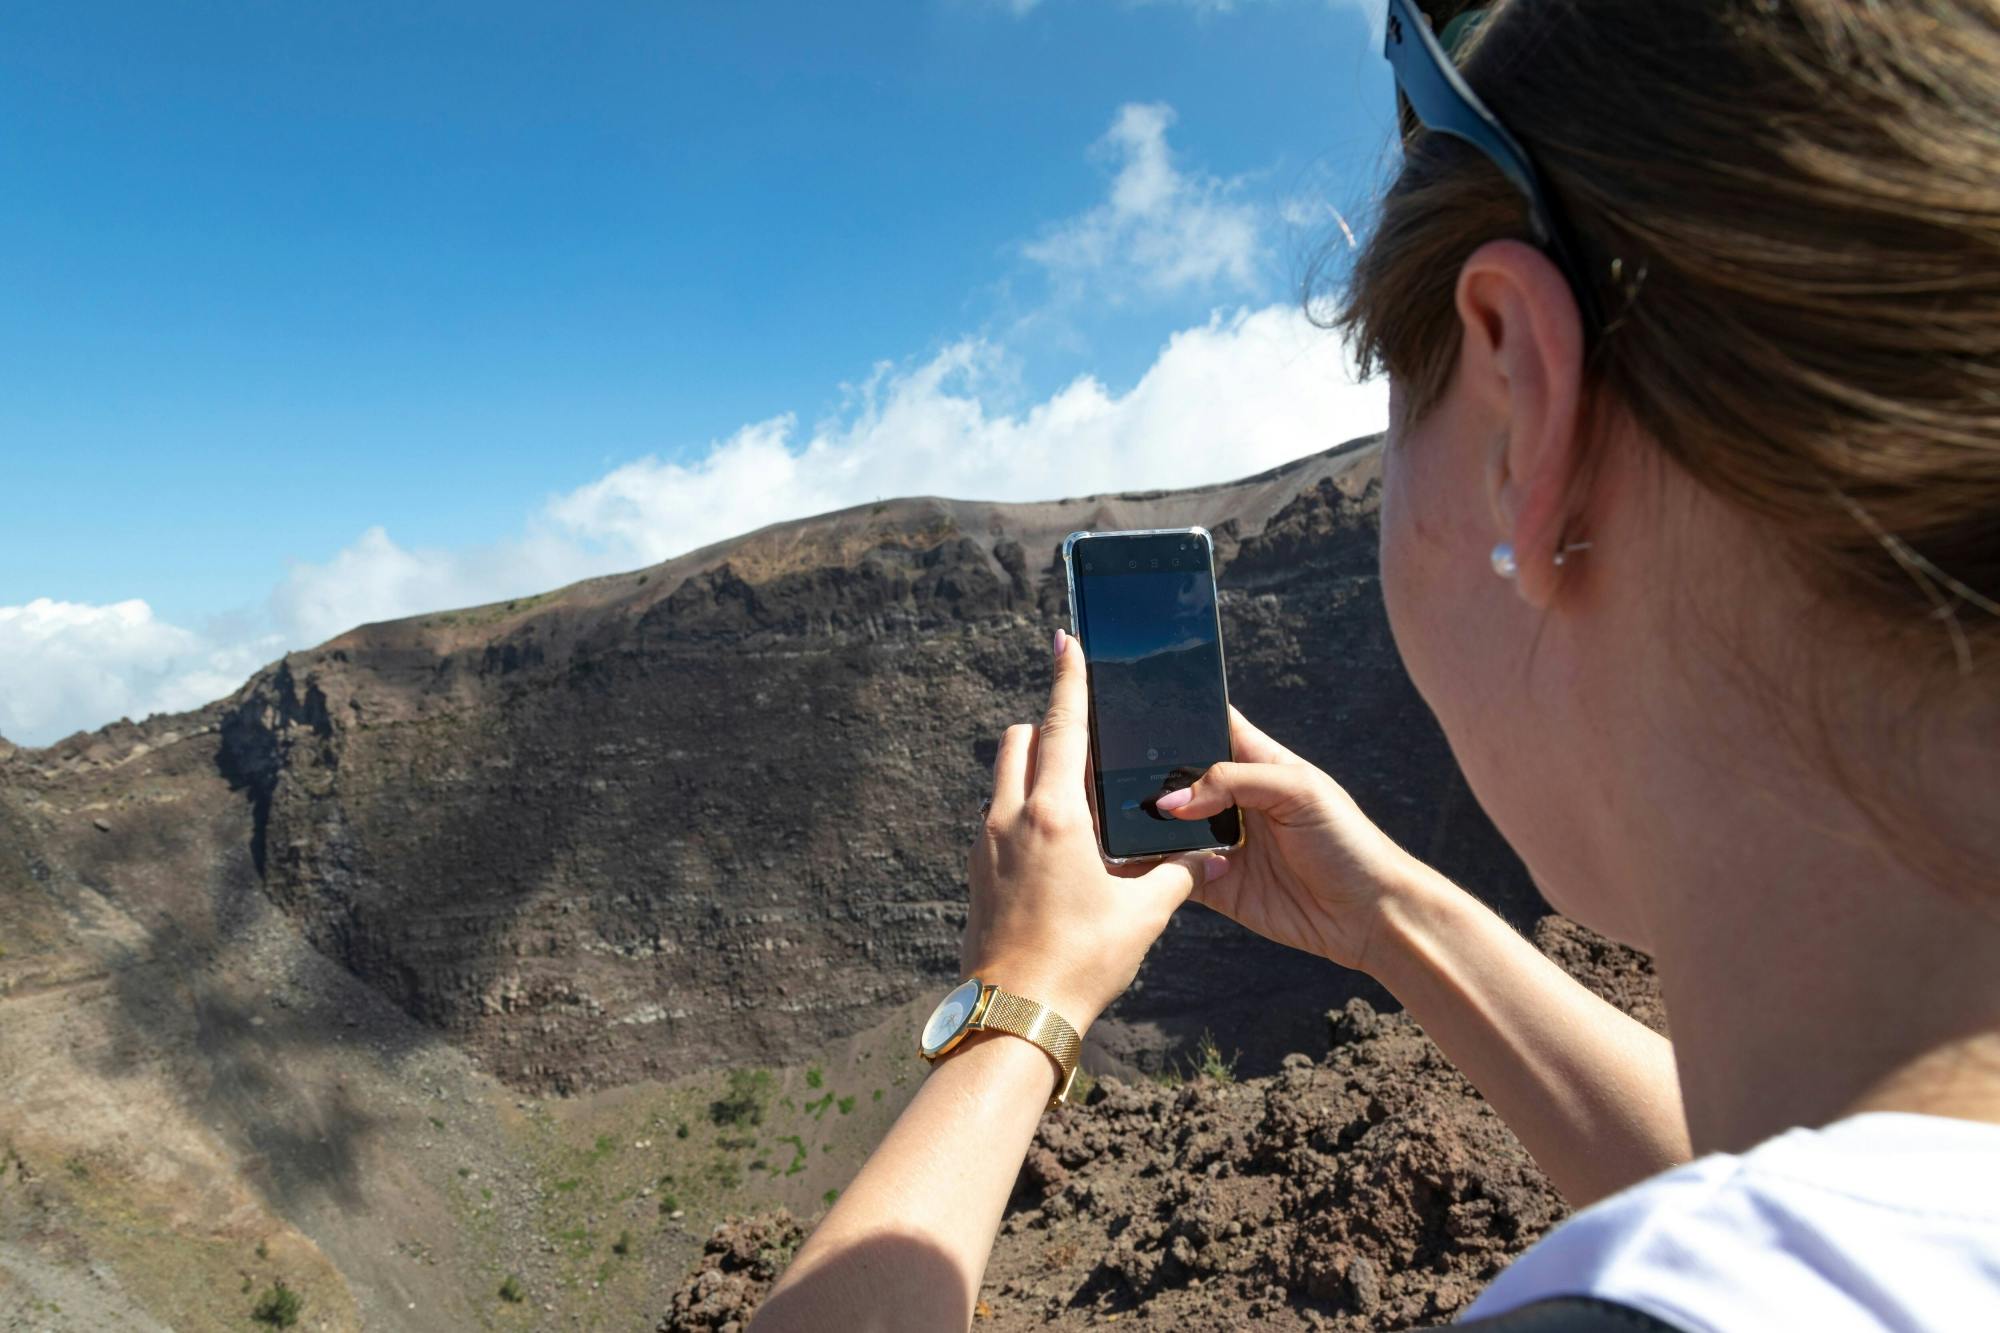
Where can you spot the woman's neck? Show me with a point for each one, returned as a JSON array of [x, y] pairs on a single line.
[[1809, 972], [1819, 1003]]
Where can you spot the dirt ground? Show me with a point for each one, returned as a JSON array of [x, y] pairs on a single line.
[[1368, 1188]]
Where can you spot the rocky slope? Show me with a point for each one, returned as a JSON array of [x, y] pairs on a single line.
[[1369, 1188]]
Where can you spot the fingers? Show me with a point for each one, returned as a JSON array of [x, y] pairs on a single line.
[[1013, 768], [1269, 787], [1252, 745], [1064, 744]]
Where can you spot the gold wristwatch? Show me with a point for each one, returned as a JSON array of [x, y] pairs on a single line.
[[973, 1005]]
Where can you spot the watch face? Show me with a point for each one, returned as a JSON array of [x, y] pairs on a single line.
[[949, 1018]]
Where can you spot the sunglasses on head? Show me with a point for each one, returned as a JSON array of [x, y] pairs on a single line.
[[1444, 103]]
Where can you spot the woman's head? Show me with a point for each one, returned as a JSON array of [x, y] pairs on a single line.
[[1788, 435]]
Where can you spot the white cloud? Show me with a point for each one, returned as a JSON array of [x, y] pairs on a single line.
[[1161, 232], [67, 665], [1240, 393], [377, 579]]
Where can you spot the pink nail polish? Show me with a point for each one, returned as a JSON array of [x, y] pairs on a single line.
[[1061, 641], [1174, 800]]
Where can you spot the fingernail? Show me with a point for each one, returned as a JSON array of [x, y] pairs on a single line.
[[1214, 868], [1062, 641], [1174, 800]]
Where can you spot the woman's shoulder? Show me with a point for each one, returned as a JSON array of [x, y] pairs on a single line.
[[1881, 1220]]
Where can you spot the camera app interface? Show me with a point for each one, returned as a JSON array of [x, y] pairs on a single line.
[[1146, 616]]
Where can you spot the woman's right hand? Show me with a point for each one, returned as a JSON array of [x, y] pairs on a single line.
[[1313, 871]]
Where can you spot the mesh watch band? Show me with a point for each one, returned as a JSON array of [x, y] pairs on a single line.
[[1041, 1025]]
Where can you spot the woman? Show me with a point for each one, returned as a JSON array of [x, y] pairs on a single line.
[[1691, 539]]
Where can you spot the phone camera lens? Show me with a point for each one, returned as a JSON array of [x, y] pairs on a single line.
[[1131, 564]]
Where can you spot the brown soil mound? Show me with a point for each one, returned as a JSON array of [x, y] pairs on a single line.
[[1372, 1189]]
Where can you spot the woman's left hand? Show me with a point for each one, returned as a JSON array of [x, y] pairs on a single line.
[[1049, 920]]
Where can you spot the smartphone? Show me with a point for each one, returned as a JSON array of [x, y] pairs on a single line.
[[1143, 608]]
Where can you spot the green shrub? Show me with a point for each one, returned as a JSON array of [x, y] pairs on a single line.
[[813, 1076], [511, 1290], [279, 1306], [830, 1196], [681, 1130], [623, 1245], [845, 1104], [743, 1104]]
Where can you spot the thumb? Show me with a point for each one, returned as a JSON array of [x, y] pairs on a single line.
[[1171, 881], [1272, 788]]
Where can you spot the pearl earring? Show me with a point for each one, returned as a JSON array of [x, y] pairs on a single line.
[[1503, 560]]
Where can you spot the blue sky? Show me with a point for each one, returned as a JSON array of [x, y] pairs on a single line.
[[318, 314]]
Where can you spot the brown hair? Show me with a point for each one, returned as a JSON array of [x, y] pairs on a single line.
[[1792, 209]]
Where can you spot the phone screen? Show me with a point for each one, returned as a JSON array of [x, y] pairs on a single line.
[[1145, 612]]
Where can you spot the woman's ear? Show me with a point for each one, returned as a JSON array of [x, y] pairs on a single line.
[[1522, 356]]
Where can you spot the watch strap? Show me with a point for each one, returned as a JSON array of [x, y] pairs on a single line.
[[1006, 1012]]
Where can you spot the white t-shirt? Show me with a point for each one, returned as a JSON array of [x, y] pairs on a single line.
[[1884, 1220]]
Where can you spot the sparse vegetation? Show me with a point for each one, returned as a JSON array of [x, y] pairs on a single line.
[[817, 1107], [263, 1249], [279, 1306], [1208, 1061], [743, 1104], [877, 1096], [511, 1290], [601, 1149], [623, 1245], [681, 1130], [668, 1203], [830, 1196], [814, 1077], [846, 1104], [798, 1162]]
